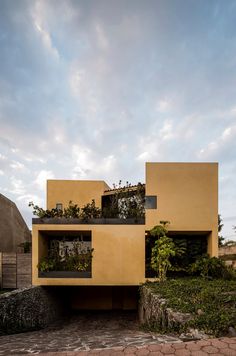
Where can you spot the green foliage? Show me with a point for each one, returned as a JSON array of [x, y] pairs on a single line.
[[220, 226], [72, 211], [163, 249], [125, 202], [90, 211], [79, 259], [26, 246], [46, 264], [188, 250], [215, 298], [160, 230], [212, 267]]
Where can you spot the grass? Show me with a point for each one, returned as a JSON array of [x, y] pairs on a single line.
[[215, 299]]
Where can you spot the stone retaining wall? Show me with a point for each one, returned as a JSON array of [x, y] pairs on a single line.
[[28, 309], [154, 311]]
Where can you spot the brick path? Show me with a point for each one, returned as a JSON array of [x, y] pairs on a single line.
[[213, 347]]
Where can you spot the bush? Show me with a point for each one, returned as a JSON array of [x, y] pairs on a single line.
[[211, 267]]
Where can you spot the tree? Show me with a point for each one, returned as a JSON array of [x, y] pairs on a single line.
[[220, 226], [163, 249]]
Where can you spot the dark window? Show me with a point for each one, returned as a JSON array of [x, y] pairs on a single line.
[[150, 202], [59, 206]]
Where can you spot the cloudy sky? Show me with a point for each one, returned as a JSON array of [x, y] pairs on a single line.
[[93, 89]]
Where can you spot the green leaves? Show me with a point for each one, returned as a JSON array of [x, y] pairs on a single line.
[[163, 249], [89, 211], [216, 299]]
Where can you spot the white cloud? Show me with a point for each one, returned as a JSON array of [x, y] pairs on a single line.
[[166, 132], [17, 165], [224, 144], [42, 177], [102, 39], [38, 19], [17, 186], [163, 105]]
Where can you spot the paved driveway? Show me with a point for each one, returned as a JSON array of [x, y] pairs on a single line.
[[83, 332]]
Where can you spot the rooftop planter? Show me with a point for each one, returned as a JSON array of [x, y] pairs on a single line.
[[94, 221]]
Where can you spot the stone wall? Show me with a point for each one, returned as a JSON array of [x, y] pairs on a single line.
[[29, 309], [154, 311], [227, 250], [228, 254]]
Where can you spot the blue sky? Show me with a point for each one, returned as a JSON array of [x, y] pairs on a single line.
[[93, 89]]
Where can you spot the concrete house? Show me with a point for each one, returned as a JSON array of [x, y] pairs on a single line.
[[186, 194], [13, 229]]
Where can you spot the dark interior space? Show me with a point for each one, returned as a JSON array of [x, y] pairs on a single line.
[[195, 244]]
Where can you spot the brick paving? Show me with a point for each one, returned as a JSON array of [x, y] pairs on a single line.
[[213, 347]]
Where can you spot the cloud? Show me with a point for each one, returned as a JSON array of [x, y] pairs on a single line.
[[42, 177], [223, 147], [95, 93]]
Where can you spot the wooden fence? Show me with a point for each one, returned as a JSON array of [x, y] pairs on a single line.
[[15, 270]]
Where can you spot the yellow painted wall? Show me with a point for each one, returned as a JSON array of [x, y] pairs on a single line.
[[187, 196], [80, 192], [119, 255]]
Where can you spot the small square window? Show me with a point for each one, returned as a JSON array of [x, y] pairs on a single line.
[[59, 206], [150, 202]]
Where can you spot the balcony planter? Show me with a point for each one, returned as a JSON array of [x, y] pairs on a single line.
[[65, 274]]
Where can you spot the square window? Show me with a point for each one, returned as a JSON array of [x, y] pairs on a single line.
[[150, 202], [59, 206]]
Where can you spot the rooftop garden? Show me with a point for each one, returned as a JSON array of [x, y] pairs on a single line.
[[123, 202]]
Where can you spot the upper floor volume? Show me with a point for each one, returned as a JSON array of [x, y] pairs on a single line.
[[114, 221]]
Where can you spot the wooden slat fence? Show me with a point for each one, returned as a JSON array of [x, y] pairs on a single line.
[[15, 270]]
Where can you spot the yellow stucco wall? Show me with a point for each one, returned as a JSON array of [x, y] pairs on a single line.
[[80, 192], [187, 196], [119, 255]]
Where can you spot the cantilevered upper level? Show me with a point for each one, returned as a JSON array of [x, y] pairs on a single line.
[[185, 194]]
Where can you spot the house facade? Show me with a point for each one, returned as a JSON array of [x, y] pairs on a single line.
[[185, 194]]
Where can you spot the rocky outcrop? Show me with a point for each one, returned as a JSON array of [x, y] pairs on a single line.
[[153, 311], [28, 309]]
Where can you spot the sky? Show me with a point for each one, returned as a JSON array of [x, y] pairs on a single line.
[[94, 89]]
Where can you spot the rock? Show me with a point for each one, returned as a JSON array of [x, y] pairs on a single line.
[[153, 310], [193, 334], [232, 331], [200, 312]]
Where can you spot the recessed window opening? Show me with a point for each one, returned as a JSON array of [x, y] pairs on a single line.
[[59, 206], [150, 202]]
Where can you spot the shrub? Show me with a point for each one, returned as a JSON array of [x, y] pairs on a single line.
[[216, 299], [212, 267]]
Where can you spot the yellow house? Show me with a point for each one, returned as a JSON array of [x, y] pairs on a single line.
[[185, 194]]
